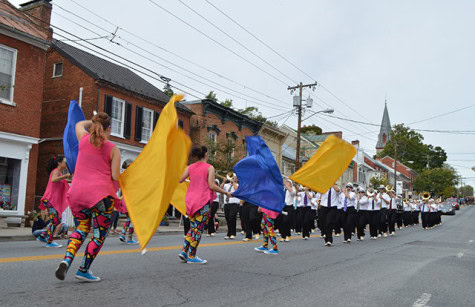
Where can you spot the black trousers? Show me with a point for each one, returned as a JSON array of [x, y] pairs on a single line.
[[212, 220], [306, 221], [392, 217], [349, 222], [415, 217], [186, 224], [383, 222], [338, 221], [327, 218], [230, 214], [286, 221], [373, 217], [363, 220], [313, 216], [298, 219], [399, 218], [244, 213], [406, 218], [425, 219], [253, 222]]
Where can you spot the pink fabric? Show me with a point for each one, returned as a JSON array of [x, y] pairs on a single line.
[[199, 193], [56, 194], [270, 213], [92, 179], [122, 208]]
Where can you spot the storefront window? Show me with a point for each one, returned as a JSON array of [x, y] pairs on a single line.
[[9, 183]]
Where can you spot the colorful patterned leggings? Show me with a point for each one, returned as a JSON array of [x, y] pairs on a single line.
[[197, 224], [267, 225], [128, 228], [53, 222], [100, 216]]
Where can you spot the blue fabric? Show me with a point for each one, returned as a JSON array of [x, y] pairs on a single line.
[[260, 181], [70, 141]]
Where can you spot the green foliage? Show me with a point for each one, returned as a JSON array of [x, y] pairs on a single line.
[[312, 129], [410, 147], [212, 96], [376, 181], [228, 103], [437, 181], [466, 190], [223, 155], [167, 89]]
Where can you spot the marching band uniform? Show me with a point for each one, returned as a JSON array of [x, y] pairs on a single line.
[[400, 211], [374, 207], [391, 217], [307, 214], [286, 224], [406, 215], [425, 214], [339, 214], [348, 213], [314, 208], [299, 211], [363, 215], [327, 214], [383, 224], [231, 209], [416, 209]]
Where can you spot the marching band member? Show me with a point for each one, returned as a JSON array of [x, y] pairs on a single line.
[[327, 214], [416, 209], [307, 214], [374, 207], [432, 213], [299, 210], [406, 215], [384, 200], [363, 213], [339, 214], [286, 225], [425, 213], [231, 206], [314, 209], [392, 211], [400, 211], [348, 212]]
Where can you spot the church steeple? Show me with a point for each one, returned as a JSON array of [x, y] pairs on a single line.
[[385, 132]]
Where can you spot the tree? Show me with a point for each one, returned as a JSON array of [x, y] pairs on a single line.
[[410, 147], [223, 155], [376, 181], [228, 103], [437, 181], [466, 190], [312, 129], [212, 96]]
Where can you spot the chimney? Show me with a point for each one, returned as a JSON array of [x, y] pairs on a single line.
[[41, 12], [356, 143]]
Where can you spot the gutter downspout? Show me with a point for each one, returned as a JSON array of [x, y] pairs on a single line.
[[98, 97]]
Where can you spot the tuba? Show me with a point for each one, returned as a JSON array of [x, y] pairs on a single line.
[[425, 195], [370, 192], [230, 176]]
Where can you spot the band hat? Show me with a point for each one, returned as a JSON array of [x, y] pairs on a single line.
[[349, 185], [382, 187], [361, 190]]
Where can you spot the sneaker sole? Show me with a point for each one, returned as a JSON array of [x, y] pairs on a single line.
[[204, 262], [61, 271], [59, 246], [87, 279], [271, 253], [259, 251], [183, 258]]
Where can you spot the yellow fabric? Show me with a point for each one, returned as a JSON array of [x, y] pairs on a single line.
[[178, 199], [326, 165], [150, 181]]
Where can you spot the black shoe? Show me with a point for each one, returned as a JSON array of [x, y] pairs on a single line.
[[61, 270]]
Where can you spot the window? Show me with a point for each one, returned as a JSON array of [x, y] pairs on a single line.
[[212, 136], [117, 117], [57, 70], [7, 73], [283, 167], [9, 183], [147, 124]]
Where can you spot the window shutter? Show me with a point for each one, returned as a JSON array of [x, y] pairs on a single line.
[[128, 120], [108, 105], [156, 115], [181, 124], [138, 123]]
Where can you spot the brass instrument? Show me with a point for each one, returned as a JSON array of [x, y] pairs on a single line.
[[439, 200], [371, 192], [230, 176], [389, 188], [425, 195]]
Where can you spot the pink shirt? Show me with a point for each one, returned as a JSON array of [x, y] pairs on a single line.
[[270, 213], [92, 179], [199, 193], [56, 195]]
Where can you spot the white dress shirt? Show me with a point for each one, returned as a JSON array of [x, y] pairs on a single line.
[[365, 203], [341, 199], [333, 198], [350, 201], [228, 187], [385, 205], [290, 197]]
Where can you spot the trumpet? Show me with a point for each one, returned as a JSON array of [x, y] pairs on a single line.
[[230, 176], [371, 192], [425, 195]]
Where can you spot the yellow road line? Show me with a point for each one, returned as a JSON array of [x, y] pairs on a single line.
[[130, 251]]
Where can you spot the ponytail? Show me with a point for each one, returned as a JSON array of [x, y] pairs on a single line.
[[100, 122]]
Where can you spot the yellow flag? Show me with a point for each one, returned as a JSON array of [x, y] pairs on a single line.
[[178, 199], [150, 181], [327, 165]]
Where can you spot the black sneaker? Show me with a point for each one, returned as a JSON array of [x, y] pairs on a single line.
[[62, 270]]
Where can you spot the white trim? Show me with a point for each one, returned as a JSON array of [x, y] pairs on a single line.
[[54, 70], [127, 147], [13, 73], [151, 124], [18, 138]]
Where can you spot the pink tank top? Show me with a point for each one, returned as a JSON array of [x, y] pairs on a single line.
[[92, 179], [199, 193], [56, 195]]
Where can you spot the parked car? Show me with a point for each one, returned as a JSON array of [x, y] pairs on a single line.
[[448, 208]]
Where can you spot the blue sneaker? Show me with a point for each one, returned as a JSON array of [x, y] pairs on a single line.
[[53, 244], [183, 256], [196, 260], [260, 249], [87, 276], [122, 239], [132, 242], [41, 239], [271, 252]]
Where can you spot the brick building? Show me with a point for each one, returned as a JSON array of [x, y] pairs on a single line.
[[214, 123], [133, 103], [23, 47]]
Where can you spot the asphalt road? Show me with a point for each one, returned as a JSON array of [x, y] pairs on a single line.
[[414, 268]]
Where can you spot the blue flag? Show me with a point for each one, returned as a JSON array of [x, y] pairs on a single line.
[[260, 181], [70, 141]]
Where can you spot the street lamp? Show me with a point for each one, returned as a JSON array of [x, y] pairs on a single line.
[[326, 111]]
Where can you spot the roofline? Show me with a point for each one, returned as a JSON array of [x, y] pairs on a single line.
[[24, 37], [301, 136]]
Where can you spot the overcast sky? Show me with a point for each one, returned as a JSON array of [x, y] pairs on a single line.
[[418, 54]]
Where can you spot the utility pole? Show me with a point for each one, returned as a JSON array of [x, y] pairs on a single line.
[[395, 167], [300, 87]]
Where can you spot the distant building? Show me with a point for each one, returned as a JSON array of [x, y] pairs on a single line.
[[274, 139], [385, 131]]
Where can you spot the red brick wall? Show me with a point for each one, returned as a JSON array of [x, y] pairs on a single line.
[[25, 117]]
